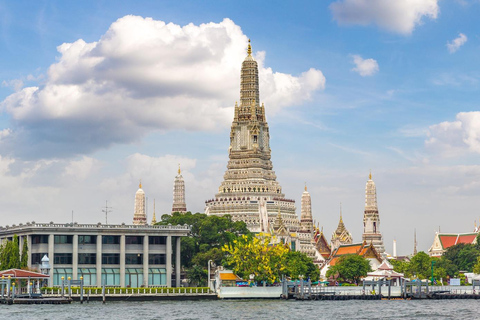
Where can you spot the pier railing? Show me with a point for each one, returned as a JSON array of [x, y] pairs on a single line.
[[127, 291]]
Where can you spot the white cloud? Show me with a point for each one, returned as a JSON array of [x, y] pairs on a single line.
[[400, 16], [365, 67], [15, 84], [143, 75], [80, 169], [454, 138], [456, 43]]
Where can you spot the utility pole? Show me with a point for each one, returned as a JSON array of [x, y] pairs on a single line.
[[107, 210]]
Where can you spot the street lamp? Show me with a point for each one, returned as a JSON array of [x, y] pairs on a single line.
[[433, 262]]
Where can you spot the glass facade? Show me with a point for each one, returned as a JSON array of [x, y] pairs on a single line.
[[134, 258], [58, 273], [157, 240], [110, 258], [134, 277], [111, 276], [157, 258], [134, 240], [111, 239], [157, 277], [62, 258], [37, 258], [87, 258], [89, 276], [39, 238], [87, 239], [62, 239]]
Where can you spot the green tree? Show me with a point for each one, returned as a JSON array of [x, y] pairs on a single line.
[[298, 263], [476, 267], [24, 258], [10, 254], [463, 256], [350, 268], [400, 266], [450, 268], [197, 276], [420, 265], [257, 256]]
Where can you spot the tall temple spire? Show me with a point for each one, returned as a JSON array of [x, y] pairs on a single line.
[[249, 191], [154, 218], [139, 214], [306, 219], [179, 204], [371, 218]]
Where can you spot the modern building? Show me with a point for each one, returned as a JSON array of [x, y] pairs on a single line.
[[117, 255], [371, 218], [179, 204], [139, 213], [250, 191]]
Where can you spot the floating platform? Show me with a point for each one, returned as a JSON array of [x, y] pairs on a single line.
[[60, 300]]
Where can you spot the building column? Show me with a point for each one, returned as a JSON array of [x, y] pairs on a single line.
[[51, 254], [169, 261], [145, 261], [99, 261], [122, 261], [20, 245], [75, 257], [177, 264], [29, 244]]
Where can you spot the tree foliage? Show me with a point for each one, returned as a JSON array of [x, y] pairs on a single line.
[[350, 268], [10, 254], [24, 257], [258, 257], [298, 264]]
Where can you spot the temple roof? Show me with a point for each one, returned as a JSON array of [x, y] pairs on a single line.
[[22, 274], [450, 239]]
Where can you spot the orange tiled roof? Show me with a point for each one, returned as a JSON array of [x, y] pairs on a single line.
[[448, 240], [349, 249], [229, 276]]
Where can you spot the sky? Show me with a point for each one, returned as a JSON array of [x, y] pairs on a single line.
[[96, 95]]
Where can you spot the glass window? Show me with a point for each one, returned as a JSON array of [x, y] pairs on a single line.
[[58, 273], [157, 240], [110, 258], [134, 240], [39, 238], [111, 276], [156, 258], [157, 277], [62, 258], [89, 276], [37, 258], [87, 258], [134, 258], [111, 239], [61, 239], [134, 277], [84, 239]]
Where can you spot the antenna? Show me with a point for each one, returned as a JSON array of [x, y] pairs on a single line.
[[107, 210], [72, 216]]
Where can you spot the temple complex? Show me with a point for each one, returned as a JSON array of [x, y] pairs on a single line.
[[179, 204], [140, 214], [249, 191], [341, 236], [371, 218]]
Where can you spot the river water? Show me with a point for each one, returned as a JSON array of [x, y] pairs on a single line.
[[250, 309]]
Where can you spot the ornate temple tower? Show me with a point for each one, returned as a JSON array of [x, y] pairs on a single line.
[[249, 191], [306, 219], [179, 204], [341, 236], [371, 218], [140, 215]]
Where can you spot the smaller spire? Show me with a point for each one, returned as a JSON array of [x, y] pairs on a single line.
[[140, 184], [305, 186], [249, 51], [154, 219], [179, 171], [370, 175], [341, 219]]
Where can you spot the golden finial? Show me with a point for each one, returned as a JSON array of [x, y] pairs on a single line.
[[249, 51], [370, 175], [341, 219], [179, 171], [305, 186], [140, 184]]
